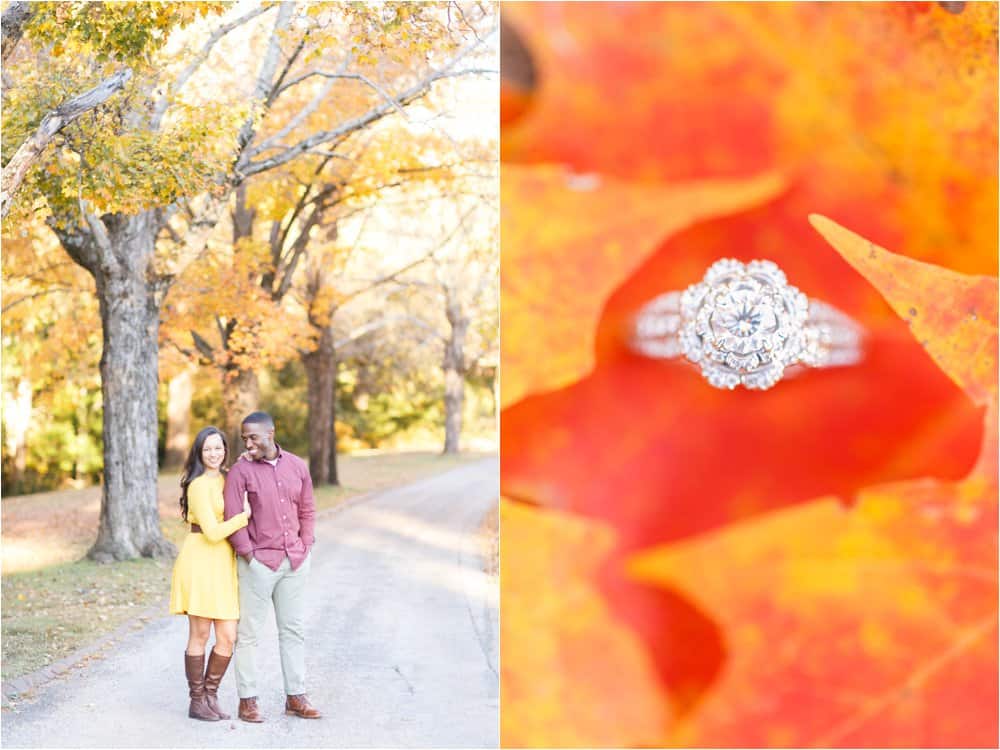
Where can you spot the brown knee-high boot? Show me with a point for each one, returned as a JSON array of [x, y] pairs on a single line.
[[194, 667], [216, 668]]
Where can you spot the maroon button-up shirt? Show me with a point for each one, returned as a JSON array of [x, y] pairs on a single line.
[[283, 512]]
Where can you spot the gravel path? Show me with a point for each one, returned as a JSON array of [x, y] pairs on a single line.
[[402, 637]]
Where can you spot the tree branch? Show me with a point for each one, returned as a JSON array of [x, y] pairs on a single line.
[[301, 243], [188, 354], [200, 58], [77, 242], [37, 274], [382, 322], [348, 77], [13, 21], [29, 151], [265, 77], [339, 134], [203, 346], [297, 120], [42, 293], [276, 88], [388, 278]]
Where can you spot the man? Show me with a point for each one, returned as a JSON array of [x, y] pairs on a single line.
[[273, 561]]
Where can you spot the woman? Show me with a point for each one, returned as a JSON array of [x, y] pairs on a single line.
[[204, 585]]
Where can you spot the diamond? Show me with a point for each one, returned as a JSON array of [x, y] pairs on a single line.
[[764, 378], [768, 270], [691, 299], [744, 324], [722, 269], [742, 321]]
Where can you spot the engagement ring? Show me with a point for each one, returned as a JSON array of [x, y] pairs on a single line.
[[743, 324]]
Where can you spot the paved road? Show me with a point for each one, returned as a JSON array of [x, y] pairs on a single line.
[[402, 634]]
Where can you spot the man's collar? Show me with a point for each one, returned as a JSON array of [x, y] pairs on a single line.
[[277, 456]]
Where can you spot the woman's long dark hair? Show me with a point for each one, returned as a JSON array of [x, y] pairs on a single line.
[[193, 466]]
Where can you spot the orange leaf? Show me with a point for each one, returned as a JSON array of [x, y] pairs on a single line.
[[899, 109], [568, 240], [869, 627], [882, 614], [571, 673], [954, 316], [893, 130], [641, 443], [649, 448]]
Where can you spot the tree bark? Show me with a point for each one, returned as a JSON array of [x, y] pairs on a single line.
[[240, 397], [29, 151], [180, 391], [13, 21], [495, 398], [334, 476], [454, 376], [321, 373], [118, 251], [130, 317]]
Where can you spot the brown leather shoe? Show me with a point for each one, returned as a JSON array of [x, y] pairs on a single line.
[[248, 710], [194, 668], [216, 668], [298, 705]]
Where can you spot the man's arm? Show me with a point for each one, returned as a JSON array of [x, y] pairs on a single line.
[[232, 497], [307, 510]]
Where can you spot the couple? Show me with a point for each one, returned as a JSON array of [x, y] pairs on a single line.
[[256, 519]]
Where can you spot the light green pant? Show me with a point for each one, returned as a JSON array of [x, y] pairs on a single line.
[[286, 589]]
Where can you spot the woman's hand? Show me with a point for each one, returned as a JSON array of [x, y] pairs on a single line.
[[246, 505]]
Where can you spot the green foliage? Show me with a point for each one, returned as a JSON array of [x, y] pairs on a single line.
[[115, 165], [376, 414], [52, 351], [206, 402], [115, 156], [120, 31], [391, 31], [63, 445], [283, 395], [120, 158]]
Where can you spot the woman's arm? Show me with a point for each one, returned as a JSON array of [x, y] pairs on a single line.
[[200, 511]]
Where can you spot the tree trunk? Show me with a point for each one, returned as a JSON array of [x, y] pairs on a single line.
[[334, 477], [321, 372], [180, 390], [454, 376], [130, 317], [13, 21], [240, 397], [495, 399]]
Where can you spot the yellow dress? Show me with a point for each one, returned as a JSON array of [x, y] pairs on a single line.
[[204, 580]]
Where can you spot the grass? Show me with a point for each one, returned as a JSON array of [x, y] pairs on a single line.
[[50, 613], [54, 602], [373, 471], [49, 528]]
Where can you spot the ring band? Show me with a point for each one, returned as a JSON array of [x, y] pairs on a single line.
[[743, 324]]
